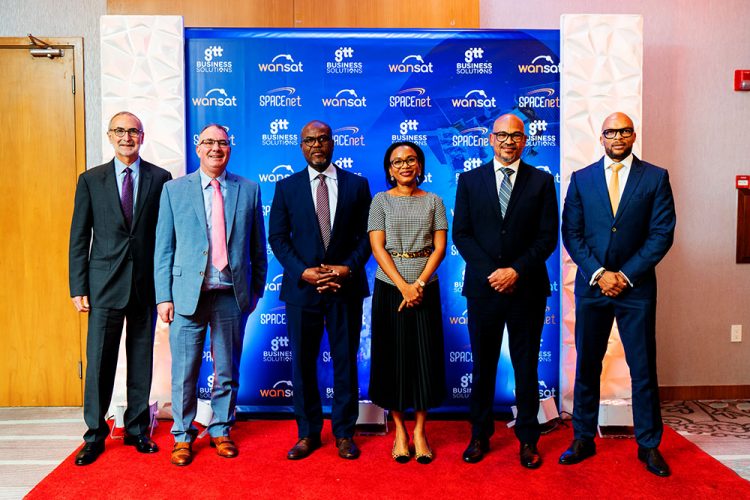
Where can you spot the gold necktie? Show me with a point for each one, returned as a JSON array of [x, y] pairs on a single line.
[[614, 187]]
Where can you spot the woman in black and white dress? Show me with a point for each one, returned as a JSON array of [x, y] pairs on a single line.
[[408, 232]]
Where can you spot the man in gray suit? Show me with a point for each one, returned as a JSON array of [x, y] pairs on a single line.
[[111, 278], [209, 270]]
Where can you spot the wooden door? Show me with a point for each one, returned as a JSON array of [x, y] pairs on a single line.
[[41, 154]]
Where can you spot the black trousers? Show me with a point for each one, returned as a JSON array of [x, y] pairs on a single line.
[[343, 322], [487, 319], [102, 347]]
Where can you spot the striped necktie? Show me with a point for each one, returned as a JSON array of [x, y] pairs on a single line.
[[323, 210], [505, 188]]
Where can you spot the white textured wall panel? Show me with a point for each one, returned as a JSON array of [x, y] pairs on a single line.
[[602, 72]]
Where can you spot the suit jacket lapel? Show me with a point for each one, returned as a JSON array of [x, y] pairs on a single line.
[[490, 183], [144, 185], [600, 186], [197, 197], [230, 202], [522, 176], [113, 195], [634, 177], [302, 186], [341, 201]]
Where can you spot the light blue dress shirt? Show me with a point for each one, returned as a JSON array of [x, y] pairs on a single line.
[[120, 176], [214, 279]]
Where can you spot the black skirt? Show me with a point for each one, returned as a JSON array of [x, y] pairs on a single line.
[[407, 367]]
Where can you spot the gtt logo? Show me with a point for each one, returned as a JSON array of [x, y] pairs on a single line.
[[278, 342], [407, 125], [213, 51], [537, 126], [343, 52], [466, 380], [473, 53], [278, 124]]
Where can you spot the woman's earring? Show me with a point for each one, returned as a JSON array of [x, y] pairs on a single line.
[[393, 178]]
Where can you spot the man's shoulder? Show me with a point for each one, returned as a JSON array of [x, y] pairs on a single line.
[[99, 170], [536, 172], [244, 181], [476, 173], [159, 172]]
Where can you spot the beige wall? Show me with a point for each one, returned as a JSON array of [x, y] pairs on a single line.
[[79, 18], [695, 125]]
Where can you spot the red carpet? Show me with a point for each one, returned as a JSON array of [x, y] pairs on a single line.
[[262, 470]]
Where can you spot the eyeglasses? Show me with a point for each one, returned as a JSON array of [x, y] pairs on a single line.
[[610, 133], [398, 163], [132, 132], [503, 136], [222, 143], [311, 141]]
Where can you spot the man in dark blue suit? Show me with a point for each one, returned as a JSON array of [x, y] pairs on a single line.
[[318, 232], [505, 228], [618, 223]]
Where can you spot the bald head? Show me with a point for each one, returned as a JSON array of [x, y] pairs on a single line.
[[618, 136], [617, 120], [509, 147]]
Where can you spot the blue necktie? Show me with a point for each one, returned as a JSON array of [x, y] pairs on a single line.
[[505, 188]]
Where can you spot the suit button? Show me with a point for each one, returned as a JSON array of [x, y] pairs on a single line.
[[201, 273], [614, 229], [205, 252], [502, 232]]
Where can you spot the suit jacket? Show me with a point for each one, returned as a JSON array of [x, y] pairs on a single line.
[[523, 239], [181, 255], [106, 258], [633, 240], [296, 241]]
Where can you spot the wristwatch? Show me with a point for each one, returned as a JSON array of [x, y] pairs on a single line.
[[421, 283]]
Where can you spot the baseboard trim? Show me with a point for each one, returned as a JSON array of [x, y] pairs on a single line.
[[692, 392]]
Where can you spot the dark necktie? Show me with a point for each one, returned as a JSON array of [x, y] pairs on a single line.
[[126, 199], [505, 189], [323, 210]]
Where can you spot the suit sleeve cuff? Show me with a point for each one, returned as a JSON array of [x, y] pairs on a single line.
[[595, 277]]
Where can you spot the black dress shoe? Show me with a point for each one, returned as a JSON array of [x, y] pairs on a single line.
[[530, 457], [89, 453], [304, 447], [476, 450], [142, 443], [655, 463], [347, 448], [579, 451]]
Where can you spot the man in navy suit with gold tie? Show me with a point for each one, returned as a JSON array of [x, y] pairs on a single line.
[[111, 278], [618, 223]]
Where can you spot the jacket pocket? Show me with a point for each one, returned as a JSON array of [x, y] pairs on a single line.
[[176, 271]]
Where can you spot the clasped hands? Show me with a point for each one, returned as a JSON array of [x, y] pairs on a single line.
[[611, 283], [503, 280], [326, 277], [412, 294]]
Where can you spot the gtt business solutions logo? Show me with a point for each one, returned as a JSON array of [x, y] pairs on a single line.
[[473, 63], [344, 62], [213, 61]]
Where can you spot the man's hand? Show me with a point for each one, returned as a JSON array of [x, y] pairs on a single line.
[[612, 284], [333, 280], [82, 303], [165, 311], [503, 280]]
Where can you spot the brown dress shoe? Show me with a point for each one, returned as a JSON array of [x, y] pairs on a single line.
[[182, 453], [304, 447], [225, 447], [347, 448]]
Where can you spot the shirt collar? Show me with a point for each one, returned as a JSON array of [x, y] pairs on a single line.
[[513, 166], [206, 180], [329, 172], [626, 162], [134, 167]]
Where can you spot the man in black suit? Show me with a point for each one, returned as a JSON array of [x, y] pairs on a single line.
[[505, 228], [318, 231], [111, 277]]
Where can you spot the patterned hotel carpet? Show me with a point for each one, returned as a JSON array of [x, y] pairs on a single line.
[[720, 428]]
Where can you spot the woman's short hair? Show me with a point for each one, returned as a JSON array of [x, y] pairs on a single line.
[[387, 161]]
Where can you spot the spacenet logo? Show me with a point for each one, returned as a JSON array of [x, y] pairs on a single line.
[[197, 137], [475, 136], [476, 98], [281, 389], [211, 62], [540, 64], [342, 62], [281, 63], [472, 63], [539, 98], [345, 98], [410, 98], [348, 136], [272, 318], [215, 97], [279, 172], [413, 63], [282, 97], [407, 132], [275, 283]]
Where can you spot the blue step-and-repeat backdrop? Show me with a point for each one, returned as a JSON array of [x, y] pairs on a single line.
[[440, 89]]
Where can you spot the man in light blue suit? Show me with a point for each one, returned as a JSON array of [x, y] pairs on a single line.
[[618, 223], [209, 270]]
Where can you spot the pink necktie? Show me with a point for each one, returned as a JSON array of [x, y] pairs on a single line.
[[218, 229]]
